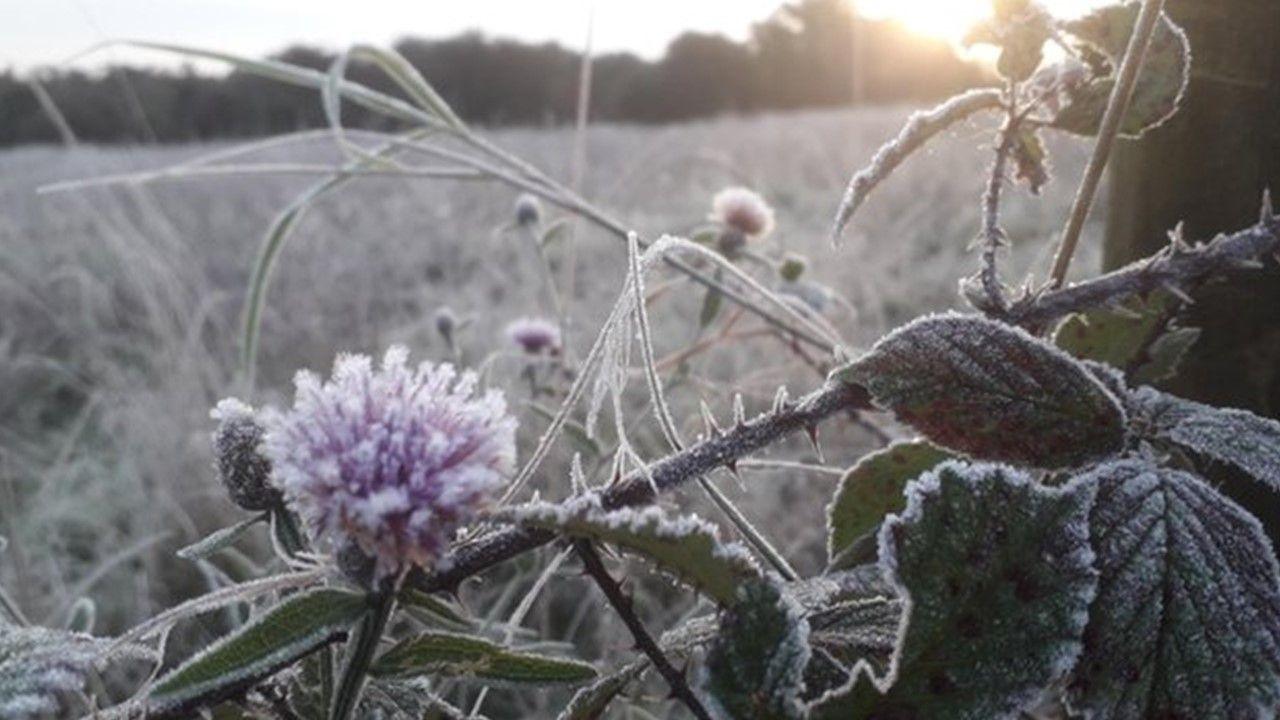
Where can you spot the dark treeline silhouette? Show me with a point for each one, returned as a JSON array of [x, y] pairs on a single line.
[[801, 56]]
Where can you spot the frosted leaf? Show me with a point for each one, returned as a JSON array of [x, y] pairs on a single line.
[[1141, 337], [1186, 623], [755, 670], [591, 701], [1161, 84], [872, 489], [406, 700], [849, 633], [998, 574], [455, 655], [38, 665], [687, 547], [991, 391], [274, 640], [1236, 437]]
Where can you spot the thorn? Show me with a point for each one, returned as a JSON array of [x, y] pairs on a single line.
[[739, 411], [712, 428], [1178, 238], [812, 432], [1268, 212], [780, 400], [1177, 292], [732, 466]]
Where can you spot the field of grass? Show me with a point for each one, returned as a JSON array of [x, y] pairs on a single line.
[[120, 310]]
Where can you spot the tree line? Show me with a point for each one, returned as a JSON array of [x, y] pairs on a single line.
[[810, 53]]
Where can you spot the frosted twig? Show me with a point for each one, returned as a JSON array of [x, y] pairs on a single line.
[[640, 489], [1117, 105], [920, 128], [644, 641], [1174, 267]]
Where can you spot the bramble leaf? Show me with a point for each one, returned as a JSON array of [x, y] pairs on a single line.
[[1161, 84], [1186, 622], [755, 669], [1141, 338], [1236, 437], [872, 489], [686, 547], [998, 574], [298, 626], [467, 656], [991, 391]]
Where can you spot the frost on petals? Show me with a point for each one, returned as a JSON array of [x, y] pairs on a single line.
[[395, 459], [743, 210]]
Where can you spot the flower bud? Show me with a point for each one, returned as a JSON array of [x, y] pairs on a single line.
[[446, 323], [743, 211], [244, 470], [730, 242], [528, 210], [535, 336], [792, 267]]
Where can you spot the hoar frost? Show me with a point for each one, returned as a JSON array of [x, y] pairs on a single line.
[[394, 459]]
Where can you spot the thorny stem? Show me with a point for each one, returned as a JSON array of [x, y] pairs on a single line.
[[1174, 267], [993, 237], [1117, 106], [641, 487], [624, 606]]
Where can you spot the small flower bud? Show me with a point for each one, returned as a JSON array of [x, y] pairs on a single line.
[[535, 336], [792, 267], [446, 323], [245, 472], [528, 210], [357, 565], [730, 242]]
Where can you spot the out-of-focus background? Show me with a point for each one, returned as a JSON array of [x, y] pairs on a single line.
[[120, 304]]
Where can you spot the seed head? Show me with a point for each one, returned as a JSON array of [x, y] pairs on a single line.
[[792, 267], [394, 459], [244, 470], [743, 210], [535, 336]]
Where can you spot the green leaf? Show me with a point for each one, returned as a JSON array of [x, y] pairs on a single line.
[[1031, 159], [992, 391], [1141, 337], [712, 301], [1161, 84], [998, 574], [756, 667], [591, 701], [872, 489], [557, 230], [275, 639], [439, 610], [467, 656], [686, 547], [860, 631], [1186, 622], [1235, 437], [219, 539]]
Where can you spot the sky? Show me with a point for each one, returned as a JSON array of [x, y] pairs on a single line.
[[36, 33]]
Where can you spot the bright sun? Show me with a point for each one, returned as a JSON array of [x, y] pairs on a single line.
[[949, 19]]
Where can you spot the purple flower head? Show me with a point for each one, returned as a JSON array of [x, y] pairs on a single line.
[[535, 335], [394, 459], [738, 208]]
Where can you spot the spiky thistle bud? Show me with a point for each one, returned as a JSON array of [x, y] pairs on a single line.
[[793, 266], [395, 460], [244, 470], [528, 210], [535, 336], [743, 210]]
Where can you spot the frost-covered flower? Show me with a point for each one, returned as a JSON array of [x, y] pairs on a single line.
[[535, 335], [740, 209], [245, 472], [395, 459]]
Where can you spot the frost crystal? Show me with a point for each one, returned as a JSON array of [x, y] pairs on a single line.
[[738, 208], [1186, 622], [535, 335], [245, 472], [37, 665], [395, 459]]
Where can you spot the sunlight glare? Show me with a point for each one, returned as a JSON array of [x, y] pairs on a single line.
[[950, 19]]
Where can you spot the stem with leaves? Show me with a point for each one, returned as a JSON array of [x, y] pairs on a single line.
[[360, 651], [1117, 105], [625, 608]]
